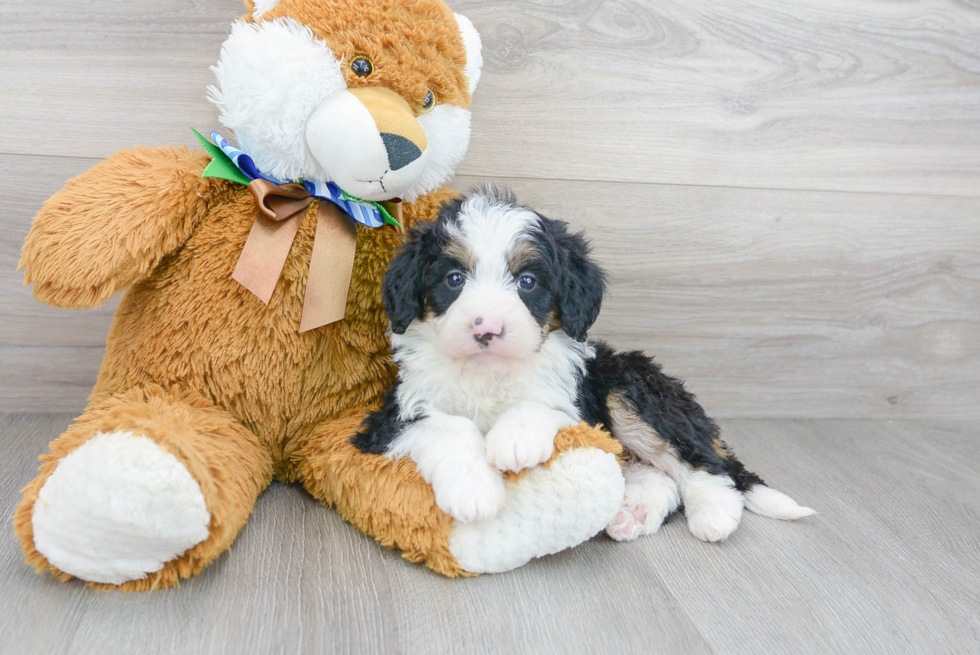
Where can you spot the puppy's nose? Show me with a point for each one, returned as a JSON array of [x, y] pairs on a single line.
[[486, 329]]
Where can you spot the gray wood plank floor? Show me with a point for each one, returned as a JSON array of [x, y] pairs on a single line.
[[891, 564]]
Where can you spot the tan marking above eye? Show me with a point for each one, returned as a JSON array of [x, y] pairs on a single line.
[[460, 253], [520, 256]]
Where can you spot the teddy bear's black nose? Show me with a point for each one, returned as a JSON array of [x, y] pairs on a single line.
[[401, 151]]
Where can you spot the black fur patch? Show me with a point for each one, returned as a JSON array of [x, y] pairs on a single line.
[[577, 282], [412, 284], [382, 427], [661, 402], [542, 299]]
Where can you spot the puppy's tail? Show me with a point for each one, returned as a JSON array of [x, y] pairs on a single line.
[[768, 502], [760, 498]]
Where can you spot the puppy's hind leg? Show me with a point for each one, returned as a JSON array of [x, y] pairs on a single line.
[[651, 496], [712, 504]]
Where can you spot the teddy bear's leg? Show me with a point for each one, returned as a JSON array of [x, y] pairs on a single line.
[[146, 487], [554, 506]]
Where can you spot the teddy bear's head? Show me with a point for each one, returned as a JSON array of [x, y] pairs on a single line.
[[372, 95]]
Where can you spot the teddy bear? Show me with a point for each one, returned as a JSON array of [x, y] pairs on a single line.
[[251, 339]]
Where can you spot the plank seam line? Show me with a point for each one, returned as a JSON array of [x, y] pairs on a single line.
[[725, 186], [963, 196]]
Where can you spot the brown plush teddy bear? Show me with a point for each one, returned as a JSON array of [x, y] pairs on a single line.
[[211, 387]]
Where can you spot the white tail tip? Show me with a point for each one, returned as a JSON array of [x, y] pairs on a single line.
[[769, 502]]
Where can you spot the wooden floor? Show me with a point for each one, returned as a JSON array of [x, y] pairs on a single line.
[[890, 564]]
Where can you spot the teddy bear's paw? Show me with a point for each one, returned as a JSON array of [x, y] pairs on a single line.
[[470, 491], [524, 436], [549, 508], [117, 508], [650, 498], [712, 505]]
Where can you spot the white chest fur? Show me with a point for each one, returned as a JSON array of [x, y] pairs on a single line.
[[481, 389]]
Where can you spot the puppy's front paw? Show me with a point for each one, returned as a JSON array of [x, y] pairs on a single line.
[[524, 437], [470, 492], [517, 447]]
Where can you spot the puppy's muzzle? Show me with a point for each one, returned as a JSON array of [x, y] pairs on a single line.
[[484, 331]]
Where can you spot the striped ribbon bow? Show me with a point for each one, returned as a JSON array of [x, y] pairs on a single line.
[[282, 206]]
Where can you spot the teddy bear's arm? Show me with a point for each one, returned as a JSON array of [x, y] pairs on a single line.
[[110, 226]]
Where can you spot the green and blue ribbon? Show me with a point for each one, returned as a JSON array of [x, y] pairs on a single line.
[[230, 163]]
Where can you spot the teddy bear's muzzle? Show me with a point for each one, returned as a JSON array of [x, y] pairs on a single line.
[[369, 142]]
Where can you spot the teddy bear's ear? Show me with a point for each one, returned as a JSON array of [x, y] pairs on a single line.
[[474, 54], [258, 7]]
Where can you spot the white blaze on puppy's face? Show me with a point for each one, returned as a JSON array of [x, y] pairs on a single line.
[[489, 319]]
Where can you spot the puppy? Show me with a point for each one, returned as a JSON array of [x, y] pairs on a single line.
[[490, 307]]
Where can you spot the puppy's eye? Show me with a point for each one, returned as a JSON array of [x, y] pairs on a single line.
[[455, 279], [428, 101], [362, 66], [526, 282]]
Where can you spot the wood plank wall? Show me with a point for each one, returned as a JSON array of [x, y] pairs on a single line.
[[787, 195]]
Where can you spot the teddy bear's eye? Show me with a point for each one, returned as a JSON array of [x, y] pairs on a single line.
[[362, 66], [428, 101]]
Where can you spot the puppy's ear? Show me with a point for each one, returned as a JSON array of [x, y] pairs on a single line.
[[402, 286], [582, 283]]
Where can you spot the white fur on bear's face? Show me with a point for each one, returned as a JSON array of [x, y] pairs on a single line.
[[282, 92], [474, 50], [271, 77], [447, 129], [343, 137]]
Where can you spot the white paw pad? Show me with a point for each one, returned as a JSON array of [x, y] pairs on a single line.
[[515, 448], [117, 508], [650, 498], [628, 523]]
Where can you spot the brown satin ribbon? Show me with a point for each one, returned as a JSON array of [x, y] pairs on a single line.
[[267, 247]]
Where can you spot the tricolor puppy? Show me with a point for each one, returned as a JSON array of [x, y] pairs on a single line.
[[490, 306]]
